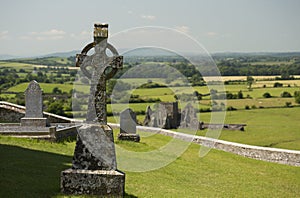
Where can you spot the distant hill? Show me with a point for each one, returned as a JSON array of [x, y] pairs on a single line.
[[61, 54], [7, 57]]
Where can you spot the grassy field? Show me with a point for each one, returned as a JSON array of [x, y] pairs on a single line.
[[47, 88], [265, 127], [31, 168]]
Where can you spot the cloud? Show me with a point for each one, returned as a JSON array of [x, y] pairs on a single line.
[[183, 28], [52, 34], [82, 35], [3, 35], [211, 34], [148, 17]]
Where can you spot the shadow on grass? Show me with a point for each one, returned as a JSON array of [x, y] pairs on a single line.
[[30, 173]]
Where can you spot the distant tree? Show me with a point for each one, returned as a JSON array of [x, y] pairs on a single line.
[[250, 81], [297, 96], [288, 104], [56, 107], [56, 90], [267, 95], [278, 84], [240, 95], [285, 94]]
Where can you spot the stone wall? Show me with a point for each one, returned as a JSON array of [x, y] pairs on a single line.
[[65, 133], [10, 116], [281, 156], [13, 113]]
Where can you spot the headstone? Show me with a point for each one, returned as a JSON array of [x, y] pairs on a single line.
[[34, 106], [128, 126], [189, 118], [94, 168]]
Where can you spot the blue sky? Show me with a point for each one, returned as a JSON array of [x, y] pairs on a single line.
[[34, 27]]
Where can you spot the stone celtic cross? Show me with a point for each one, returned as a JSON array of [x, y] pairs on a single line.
[[99, 68]]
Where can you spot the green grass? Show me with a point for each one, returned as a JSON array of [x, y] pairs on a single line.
[[31, 168], [277, 128], [47, 88], [272, 63]]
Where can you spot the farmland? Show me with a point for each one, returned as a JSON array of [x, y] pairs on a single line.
[[271, 121]]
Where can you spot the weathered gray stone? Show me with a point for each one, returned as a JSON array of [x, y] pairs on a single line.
[[34, 106], [34, 100], [127, 121], [128, 126], [189, 118], [129, 137], [165, 116], [95, 149], [94, 167], [95, 182]]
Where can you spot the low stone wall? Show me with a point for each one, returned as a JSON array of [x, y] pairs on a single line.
[[13, 113], [64, 133], [10, 115], [281, 156]]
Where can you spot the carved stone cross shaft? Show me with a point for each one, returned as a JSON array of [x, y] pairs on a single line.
[[99, 68]]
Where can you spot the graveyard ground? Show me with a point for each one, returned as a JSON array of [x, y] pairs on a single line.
[[31, 168]]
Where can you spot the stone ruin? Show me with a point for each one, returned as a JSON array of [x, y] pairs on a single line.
[[128, 126], [165, 116], [94, 168], [168, 116]]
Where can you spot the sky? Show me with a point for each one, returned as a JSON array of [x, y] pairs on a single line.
[[36, 27]]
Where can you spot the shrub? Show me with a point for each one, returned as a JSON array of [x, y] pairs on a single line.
[[288, 104], [267, 95], [231, 108], [285, 94], [277, 84], [297, 96], [247, 107]]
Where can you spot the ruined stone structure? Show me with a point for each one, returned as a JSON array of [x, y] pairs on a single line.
[[166, 116], [94, 168], [189, 118]]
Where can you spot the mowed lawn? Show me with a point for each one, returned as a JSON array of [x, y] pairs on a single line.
[[276, 127], [31, 168]]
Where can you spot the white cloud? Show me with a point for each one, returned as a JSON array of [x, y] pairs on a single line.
[[52, 34], [129, 12], [82, 35], [148, 17], [3, 35], [211, 34], [183, 28]]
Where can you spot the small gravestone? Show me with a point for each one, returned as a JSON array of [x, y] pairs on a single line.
[[94, 167], [128, 126], [34, 106]]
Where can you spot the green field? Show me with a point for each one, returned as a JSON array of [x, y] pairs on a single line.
[[31, 168], [47, 88], [277, 127]]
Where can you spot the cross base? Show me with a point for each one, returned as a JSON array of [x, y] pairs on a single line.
[[93, 182], [129, 137]]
